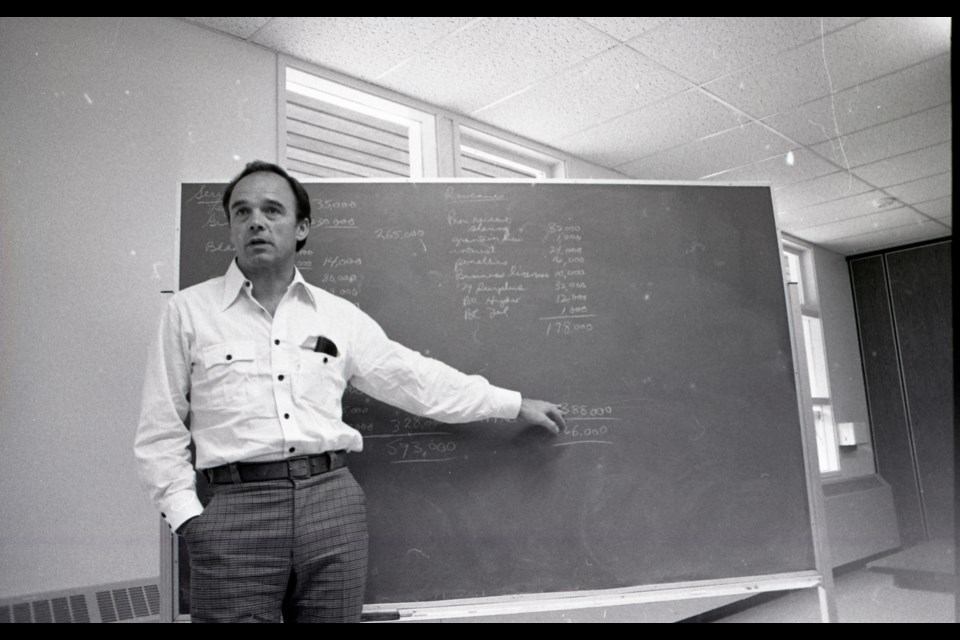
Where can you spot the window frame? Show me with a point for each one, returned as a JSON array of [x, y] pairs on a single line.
[[342, 92], [495, 149], [798, 267]]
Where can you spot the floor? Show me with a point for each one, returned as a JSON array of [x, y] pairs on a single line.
[[861, 596]]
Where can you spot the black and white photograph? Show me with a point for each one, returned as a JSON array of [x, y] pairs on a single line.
[[477, 319]]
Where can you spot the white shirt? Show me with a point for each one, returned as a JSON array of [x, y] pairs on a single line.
[[255, 390]]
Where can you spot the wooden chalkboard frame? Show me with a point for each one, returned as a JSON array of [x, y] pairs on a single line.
[[820, 577]]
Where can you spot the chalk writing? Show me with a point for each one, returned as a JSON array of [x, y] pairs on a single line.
[[454, 221], [334, 223], [216, 247], [397, 234], [335, 262], [568, 328], [583, 411], [216, 219], [433, 449], [570, 281], [500, 289], [408, 423], [334, 204], [339, 278], [588, 424], [204, 194], [450, 195]]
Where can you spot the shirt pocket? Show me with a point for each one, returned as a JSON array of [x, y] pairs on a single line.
[[229, 374], [320, 382]]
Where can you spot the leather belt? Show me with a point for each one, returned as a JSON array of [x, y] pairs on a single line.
[[299, 467]]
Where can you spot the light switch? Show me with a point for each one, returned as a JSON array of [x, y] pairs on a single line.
[[847, 434]]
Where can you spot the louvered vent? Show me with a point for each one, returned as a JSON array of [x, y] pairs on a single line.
[[488, 167], [117, 605], [61, 609], [325, 140], [486, 156], [126, 602]]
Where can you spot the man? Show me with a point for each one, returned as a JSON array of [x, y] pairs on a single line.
[[259, 360]]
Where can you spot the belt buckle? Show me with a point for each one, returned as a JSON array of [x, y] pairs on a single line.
[[299, 467]]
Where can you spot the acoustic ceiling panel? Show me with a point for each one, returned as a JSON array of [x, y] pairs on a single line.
[[608, 85], [495, 57]]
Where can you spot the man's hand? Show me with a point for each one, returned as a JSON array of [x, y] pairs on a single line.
[[544, 414]]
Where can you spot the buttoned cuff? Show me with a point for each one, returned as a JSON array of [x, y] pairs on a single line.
[[506, 403], [180, 507]]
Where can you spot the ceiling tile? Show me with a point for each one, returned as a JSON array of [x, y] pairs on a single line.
[[887, 238], [843, 59], [333, 42], [941, 208], [778, 84], [834, 186], [732, 148], [923, 190], [493, 58], [893, 96], [703, 49], [801, 30], [861, 225], [615, 82], [908, 167], [893, 138], [880, 45], [240, 27], [673, 122], [830, 212], [624, 29], [778, 171]]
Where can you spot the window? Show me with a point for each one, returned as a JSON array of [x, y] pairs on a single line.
[[485, 156], [798, 267], [333, 130]]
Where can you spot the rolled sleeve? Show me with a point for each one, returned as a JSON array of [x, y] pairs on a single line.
[[423, 386], [162, 441]]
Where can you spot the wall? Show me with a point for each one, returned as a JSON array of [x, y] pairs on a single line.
[[101, 120]]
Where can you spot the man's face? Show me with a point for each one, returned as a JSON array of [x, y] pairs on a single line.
[[263, 222]]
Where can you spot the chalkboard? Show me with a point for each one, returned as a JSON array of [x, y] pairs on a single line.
[[654, 312]]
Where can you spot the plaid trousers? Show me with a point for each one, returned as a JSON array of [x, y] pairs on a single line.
[[296, 547]]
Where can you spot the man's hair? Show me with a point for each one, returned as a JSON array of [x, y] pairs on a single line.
[[303, 200]]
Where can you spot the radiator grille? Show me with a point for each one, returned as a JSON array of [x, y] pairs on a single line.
[[119, 604]]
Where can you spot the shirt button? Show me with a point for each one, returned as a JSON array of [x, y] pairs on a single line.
[[280, 377], [286, 416], [163, 515], [247, 283], [276, 342], [324, 361], [229, 357], [292, 449]]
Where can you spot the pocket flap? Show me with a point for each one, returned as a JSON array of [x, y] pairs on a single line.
[[228, 352]]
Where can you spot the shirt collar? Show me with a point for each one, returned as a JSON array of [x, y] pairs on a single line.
[[301, 284], [234, 282]]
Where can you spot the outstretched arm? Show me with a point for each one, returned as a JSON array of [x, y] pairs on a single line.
[[541, 413]]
